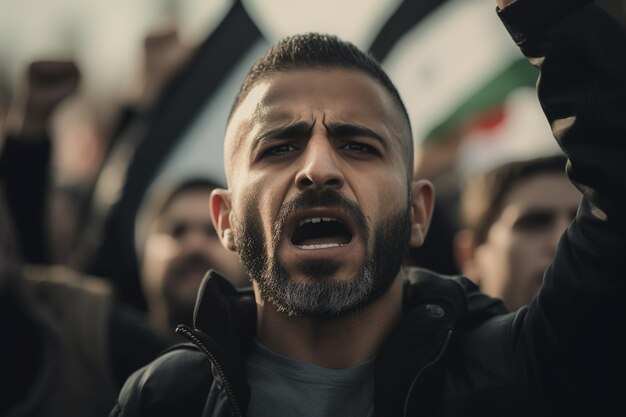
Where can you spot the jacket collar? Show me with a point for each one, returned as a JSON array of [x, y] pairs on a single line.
[[225, 322]]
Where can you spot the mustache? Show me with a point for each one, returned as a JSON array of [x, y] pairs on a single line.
[[312, 198]]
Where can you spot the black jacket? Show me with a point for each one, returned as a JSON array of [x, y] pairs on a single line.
[[457, 352]]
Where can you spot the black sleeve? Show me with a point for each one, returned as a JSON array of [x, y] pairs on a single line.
[[133, 343], [569, 339], [25, 176]]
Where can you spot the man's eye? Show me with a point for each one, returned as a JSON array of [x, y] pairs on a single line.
[[279, 150], [534, 221], [358, 147]]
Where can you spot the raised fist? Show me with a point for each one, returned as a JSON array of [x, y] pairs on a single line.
[[46, 85]]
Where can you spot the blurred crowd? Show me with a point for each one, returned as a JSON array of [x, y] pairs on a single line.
[[99, 265]]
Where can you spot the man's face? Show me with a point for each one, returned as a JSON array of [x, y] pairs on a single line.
[[181, 247], [319, 200], [521, 243]]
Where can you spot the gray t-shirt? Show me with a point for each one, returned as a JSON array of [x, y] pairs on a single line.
[[285, 387]]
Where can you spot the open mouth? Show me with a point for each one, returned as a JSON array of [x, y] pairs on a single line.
[[321, 233]]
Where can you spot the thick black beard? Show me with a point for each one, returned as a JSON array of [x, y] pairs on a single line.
[[323, 296]]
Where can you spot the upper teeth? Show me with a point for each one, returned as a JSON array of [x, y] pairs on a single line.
[[321, 246], [317, 220]]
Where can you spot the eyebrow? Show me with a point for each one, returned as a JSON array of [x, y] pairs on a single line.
[[300, 129], [297, 129], [303, 129], [349, 130]]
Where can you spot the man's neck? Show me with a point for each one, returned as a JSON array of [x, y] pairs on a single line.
[[332, 343]]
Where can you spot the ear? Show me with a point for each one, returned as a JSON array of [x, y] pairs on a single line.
[[422, 204], [220, 215], [465, 254]]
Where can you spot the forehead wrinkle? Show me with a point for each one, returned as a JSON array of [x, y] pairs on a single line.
[[295, 128], [392, 126]]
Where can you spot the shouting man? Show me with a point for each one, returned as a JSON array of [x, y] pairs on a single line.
[[321, 206]]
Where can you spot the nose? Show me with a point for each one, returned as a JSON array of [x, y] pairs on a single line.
[[320, 165]]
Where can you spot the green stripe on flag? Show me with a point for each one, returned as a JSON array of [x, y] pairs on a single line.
[[519, 74]]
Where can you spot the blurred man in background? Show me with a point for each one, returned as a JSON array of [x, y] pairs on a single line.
[[513, 217], [177, 244]]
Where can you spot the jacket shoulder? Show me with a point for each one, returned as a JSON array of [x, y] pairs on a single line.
[[468, 302], [479, 355], [175, 383], [482, 323]]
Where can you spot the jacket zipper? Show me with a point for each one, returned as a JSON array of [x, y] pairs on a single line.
[[421, 371], [229, 390]]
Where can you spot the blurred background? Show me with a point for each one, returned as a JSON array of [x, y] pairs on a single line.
[[174, 66], [112, 116], [448, 58]]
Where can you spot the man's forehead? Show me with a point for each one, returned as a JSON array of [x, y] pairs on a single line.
[[539, 186], [270, 101]]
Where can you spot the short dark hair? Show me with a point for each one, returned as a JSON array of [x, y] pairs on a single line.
[[158, 200], [319, 51], [483, 193]]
